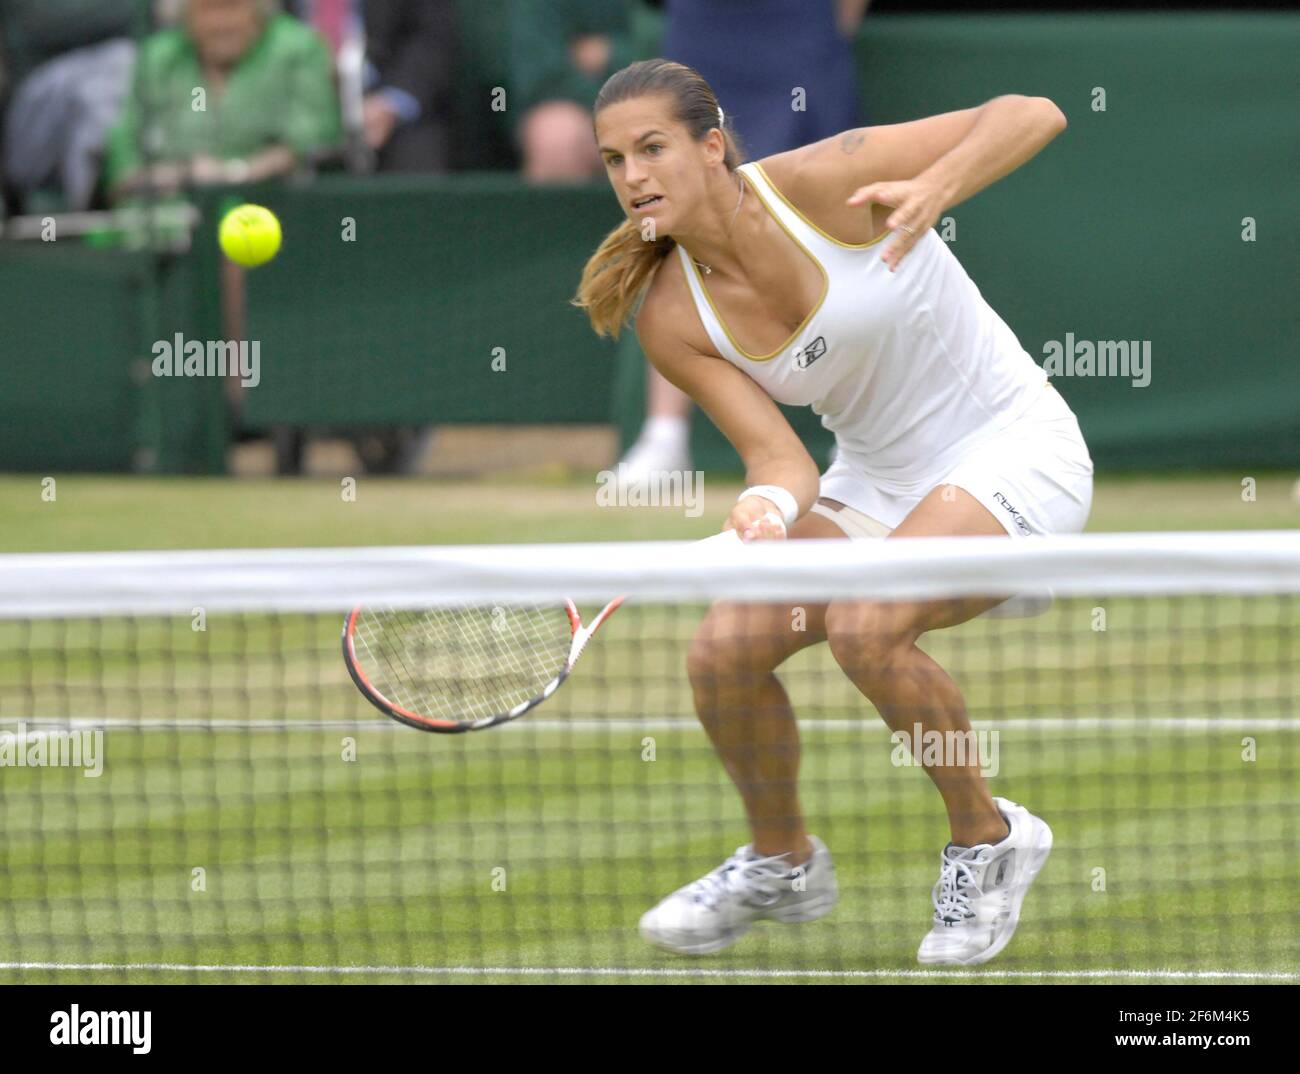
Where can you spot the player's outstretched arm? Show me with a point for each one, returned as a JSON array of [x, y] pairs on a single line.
[[922, 168], [772, 452]]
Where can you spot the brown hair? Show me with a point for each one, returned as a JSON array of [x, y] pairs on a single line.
[[624, 263]]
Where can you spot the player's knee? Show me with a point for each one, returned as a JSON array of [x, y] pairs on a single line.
[[724, 655], [865, 636], [715, 663]]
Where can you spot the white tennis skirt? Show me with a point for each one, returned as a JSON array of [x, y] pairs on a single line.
[[1035, 476]]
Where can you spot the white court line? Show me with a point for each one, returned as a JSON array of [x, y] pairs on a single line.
[[584, 971], [670, 723]]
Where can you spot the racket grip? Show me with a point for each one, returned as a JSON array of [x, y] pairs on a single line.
[[733, 536]]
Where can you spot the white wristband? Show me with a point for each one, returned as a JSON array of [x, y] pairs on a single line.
[[784, 500]]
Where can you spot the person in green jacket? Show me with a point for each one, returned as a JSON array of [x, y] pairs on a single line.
[[238, 93]]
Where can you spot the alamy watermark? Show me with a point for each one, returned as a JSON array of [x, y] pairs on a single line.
[[131, 1029], [1103, 358], [653, 488], [179, 357], [53, 749], [945, 749]]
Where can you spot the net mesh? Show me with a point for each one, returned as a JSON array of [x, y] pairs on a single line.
[[203, 791]]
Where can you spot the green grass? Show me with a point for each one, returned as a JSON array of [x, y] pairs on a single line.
[[103, 513], [387, 860]]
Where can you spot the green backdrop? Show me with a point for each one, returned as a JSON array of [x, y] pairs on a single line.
[[401, 301]]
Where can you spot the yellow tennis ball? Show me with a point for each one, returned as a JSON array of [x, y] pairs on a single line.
[[250, 235]]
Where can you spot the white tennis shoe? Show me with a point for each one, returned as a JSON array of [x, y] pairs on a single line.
[[980, 889], [716, 910]]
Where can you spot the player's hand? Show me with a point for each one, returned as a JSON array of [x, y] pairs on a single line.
[[756, 519], [916, 205]]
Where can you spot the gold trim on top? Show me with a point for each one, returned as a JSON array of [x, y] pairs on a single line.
[[826, 289], [829, 238]]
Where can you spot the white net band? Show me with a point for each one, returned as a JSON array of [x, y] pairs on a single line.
[[45, 585]]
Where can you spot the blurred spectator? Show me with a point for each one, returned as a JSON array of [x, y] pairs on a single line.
[[754, 54], [561, 51], [67, 65], [395, 60], [239, 93]]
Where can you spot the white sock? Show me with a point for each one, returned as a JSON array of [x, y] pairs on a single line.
[[666, 430]]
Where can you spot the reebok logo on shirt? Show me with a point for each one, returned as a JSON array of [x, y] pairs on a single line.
[[805, 356]]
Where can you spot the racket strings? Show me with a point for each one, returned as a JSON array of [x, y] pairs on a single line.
[[463, 663]]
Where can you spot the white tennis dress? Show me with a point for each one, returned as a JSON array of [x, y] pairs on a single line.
[[921, 382]]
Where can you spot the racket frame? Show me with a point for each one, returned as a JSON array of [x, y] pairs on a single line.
[[581, 634]]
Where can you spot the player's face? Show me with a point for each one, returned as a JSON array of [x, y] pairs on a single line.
[[655, 167]]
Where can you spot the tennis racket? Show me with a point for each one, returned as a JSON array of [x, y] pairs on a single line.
[[467, 667]]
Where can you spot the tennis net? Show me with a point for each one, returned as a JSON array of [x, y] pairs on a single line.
[[194, 788]]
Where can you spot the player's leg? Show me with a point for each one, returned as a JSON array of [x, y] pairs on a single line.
[[875, 642], [786, 874], [998, 847], [745, 710], [1033, 478]]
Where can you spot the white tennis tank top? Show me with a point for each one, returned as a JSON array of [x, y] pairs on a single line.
[[908, 369]]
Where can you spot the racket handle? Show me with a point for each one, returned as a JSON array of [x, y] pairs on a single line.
[[733, 536]]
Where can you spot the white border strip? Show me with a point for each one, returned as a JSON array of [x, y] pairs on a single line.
[[659, 972], [333, 579]]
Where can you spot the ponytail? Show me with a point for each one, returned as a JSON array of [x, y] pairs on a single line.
[[616, 276]]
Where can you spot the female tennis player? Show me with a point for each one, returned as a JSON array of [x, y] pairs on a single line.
[[813, 278]]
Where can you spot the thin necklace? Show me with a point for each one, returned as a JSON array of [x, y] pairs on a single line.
[[708, 271]]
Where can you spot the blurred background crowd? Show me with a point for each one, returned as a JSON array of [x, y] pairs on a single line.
[[104, 100], [103, 96]]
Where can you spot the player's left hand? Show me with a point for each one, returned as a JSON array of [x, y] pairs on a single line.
[[756, 519], [916, 205]]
